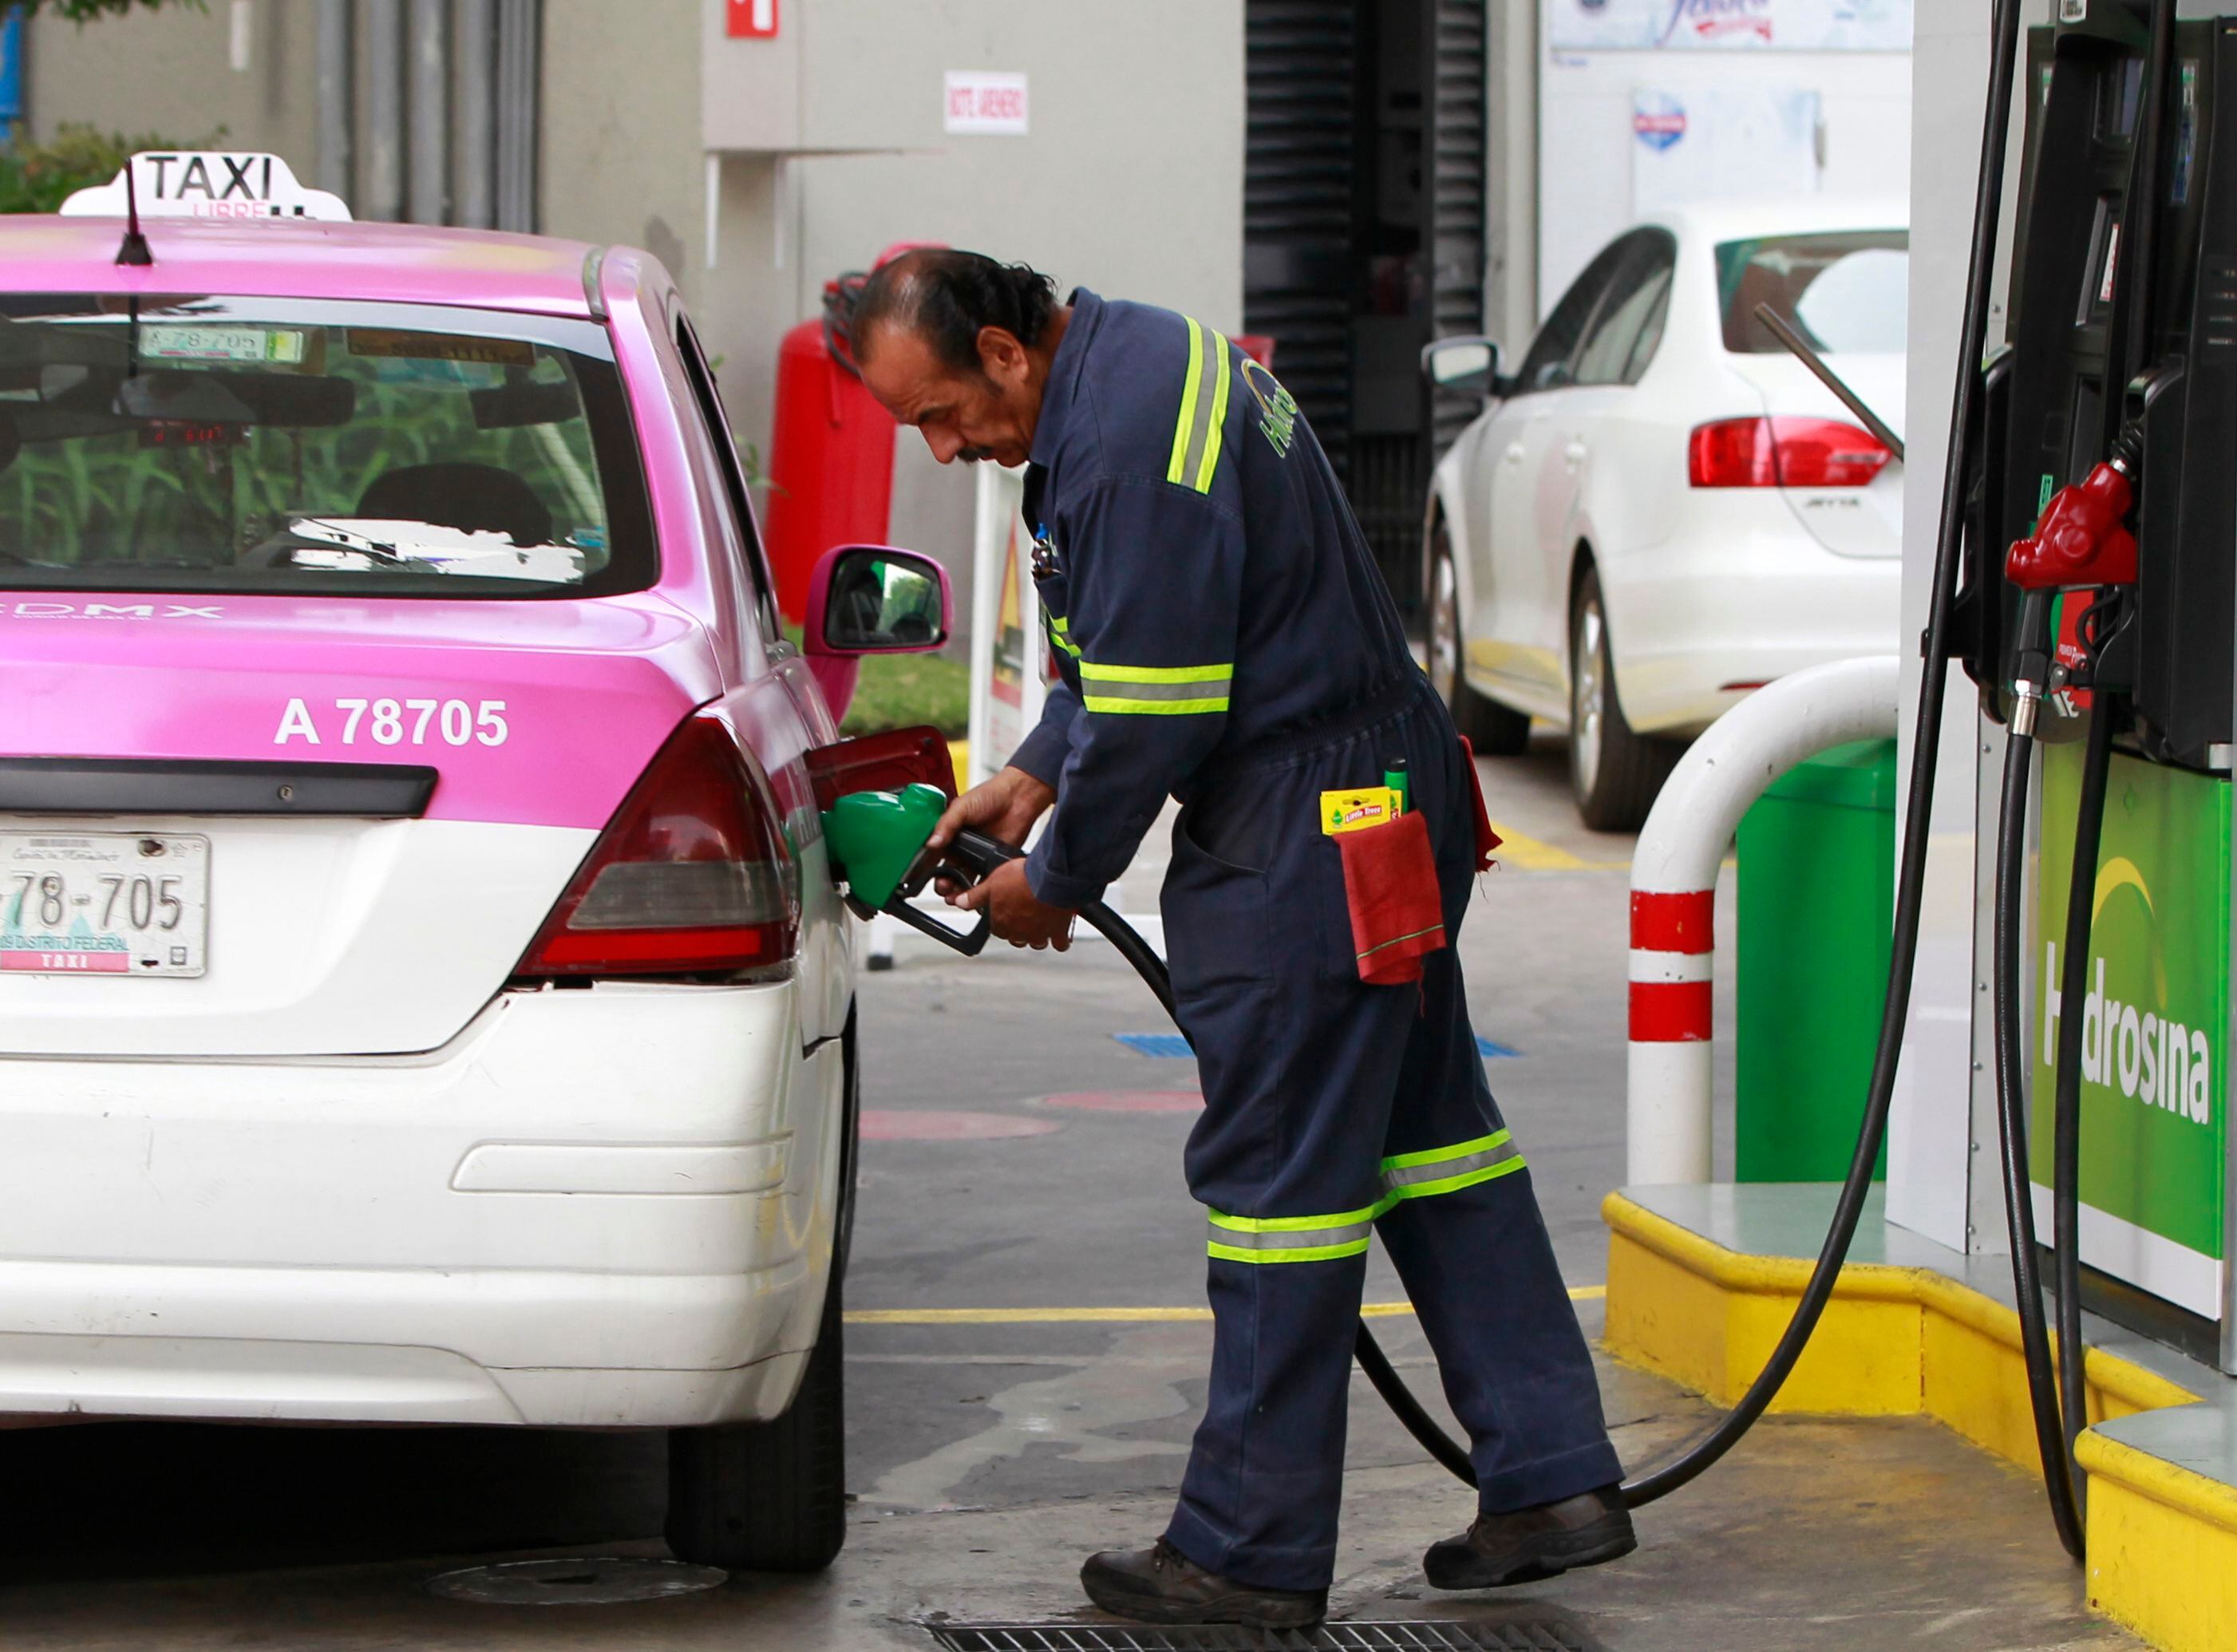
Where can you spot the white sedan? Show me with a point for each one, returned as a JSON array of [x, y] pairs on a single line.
[[1661, 509]]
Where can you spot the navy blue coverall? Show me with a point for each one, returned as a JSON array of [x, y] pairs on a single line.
[[1223, 635]]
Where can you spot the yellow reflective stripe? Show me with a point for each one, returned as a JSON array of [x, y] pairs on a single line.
[[1290, 1224], [1150, 707], [1176, 468], [1315, 1253], [1219, 416], [1452, 1184], [1406, 1175], [1438, 1155], [1060, 634], [1156, 673]]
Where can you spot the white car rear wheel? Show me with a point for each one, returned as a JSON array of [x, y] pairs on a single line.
[[1615, 773], [1492, 729]]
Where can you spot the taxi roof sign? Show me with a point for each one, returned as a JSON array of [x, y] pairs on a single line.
[[242, 185]]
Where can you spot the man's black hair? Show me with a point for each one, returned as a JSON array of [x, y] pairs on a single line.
[[946, 297]]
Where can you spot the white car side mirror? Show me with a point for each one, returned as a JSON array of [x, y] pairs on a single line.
[[1463, 365]]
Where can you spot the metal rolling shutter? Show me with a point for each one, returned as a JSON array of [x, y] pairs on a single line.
[[1457, 193], [1298, 177]]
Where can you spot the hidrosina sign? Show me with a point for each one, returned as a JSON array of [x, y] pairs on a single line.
[[2154, 1024]]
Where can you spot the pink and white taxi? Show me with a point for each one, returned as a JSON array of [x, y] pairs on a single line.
[[423, 998]]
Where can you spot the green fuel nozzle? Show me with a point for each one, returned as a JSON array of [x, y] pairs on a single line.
[[876, 838], [878, 849]]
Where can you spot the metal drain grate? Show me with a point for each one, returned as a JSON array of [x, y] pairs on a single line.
[[1533, 1635], [605, 1581]]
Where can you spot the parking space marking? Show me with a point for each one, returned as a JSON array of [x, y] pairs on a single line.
[[1528, 854], [1164, 1046], [1171, 1046], [1110, 1316]]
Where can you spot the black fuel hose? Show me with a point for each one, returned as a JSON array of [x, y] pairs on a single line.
[[2066, 1152], [2011, 1132], [974, 855]]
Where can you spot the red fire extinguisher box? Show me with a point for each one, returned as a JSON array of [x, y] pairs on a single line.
[[831, 462]]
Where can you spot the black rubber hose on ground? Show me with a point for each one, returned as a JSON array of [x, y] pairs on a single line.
[[2066, 1150], [2011, 1131]]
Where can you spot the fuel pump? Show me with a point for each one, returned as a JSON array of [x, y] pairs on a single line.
[[2103, 641]]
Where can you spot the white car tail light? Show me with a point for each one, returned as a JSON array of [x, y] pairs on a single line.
[[691, 878], [1783, 451]]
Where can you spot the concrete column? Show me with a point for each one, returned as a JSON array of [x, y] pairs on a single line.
[[473, 114], [519, 72], [1510, 264], [337, 89], [382, 197], [428, 134]]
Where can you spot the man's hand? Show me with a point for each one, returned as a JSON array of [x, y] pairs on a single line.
[[1004, 808], [1019, 916]]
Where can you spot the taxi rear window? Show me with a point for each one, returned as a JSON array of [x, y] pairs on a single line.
[[294, 446]]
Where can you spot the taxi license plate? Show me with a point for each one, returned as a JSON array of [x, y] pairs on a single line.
[[104, 903]]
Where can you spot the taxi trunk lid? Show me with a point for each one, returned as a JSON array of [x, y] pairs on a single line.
[[365, 808]]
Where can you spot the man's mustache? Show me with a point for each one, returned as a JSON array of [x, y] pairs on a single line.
[[975, 455]]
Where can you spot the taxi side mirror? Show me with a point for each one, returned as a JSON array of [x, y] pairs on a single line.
[[875, 599]]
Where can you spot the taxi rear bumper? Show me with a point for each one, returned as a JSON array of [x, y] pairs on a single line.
[[536, 1224]]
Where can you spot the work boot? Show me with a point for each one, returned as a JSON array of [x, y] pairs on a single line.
[[1162, 1585], [1528, 1545]]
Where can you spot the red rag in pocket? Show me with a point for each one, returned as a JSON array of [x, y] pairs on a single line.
[[1398, 911], [1486, 839]]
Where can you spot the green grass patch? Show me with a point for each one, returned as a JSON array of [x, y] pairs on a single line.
[[905, 691], [901, 690]]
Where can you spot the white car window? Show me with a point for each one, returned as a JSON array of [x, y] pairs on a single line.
[[1845, 290], [1861, 302], [1634, 304], [1549, 364]]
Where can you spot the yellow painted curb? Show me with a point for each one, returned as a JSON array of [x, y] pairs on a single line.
[[2162, 1547], [1899, 1341]]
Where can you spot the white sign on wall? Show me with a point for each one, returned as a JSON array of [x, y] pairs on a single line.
[[1751, 142], [1729, 25], [982, 101]]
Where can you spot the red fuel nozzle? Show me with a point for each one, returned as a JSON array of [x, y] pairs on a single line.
[[2080, 540]]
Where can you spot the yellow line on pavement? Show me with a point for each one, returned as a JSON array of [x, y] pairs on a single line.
[[1109, 1316], [1528, 854]]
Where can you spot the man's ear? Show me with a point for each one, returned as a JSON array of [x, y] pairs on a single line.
[[1001, 357]]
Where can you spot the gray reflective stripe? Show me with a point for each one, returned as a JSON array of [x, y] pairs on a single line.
[[1289, 1238], [1104, 688], [1446, 1169], [1209, 404]]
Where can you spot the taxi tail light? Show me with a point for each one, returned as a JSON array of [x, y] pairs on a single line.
[[691, 878], [1783, 451]]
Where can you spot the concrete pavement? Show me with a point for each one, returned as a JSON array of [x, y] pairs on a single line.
[[990, 1453]]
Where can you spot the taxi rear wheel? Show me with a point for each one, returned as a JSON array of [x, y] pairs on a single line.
[[768, 1497]]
